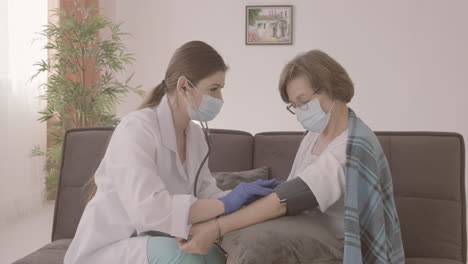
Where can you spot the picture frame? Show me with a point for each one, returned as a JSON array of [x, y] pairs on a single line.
[[269, 25]]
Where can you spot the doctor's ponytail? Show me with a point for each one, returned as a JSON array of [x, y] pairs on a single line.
[[155, 96]]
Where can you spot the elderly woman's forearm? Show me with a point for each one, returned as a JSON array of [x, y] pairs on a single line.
[[262, 210], [205, 209]]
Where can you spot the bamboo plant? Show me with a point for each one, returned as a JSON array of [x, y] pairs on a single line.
[[87, 58]]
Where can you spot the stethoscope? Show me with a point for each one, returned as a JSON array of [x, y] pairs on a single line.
[[206, 131], [208, 143]]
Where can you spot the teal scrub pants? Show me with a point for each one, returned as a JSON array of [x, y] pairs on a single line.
[[165, 250]]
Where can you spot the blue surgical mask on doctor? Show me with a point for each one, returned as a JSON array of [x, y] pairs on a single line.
[[207, 110], [312, 117]]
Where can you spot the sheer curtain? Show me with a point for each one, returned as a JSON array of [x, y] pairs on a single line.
[[21, 177]]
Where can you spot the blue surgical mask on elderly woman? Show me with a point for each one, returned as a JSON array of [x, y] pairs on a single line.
[[312, 117], [208, 109]]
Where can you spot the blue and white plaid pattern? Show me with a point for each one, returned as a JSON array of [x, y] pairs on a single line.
[[372, 228]]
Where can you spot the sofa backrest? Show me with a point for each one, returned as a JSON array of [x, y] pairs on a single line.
[[427, 170], [231, 151], [277, 151], [83, 150]]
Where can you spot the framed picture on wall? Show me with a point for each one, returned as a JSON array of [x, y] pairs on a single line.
[[269, 25]]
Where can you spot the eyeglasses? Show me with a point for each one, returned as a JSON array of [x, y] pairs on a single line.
[[303, 106]]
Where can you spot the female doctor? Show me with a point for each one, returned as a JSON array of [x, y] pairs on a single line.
[[146, 180]]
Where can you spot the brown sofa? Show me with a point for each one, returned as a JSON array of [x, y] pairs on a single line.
[[427, 167]]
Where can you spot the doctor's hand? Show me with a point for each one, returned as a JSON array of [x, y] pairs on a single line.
[[203, 236], [246, 192]]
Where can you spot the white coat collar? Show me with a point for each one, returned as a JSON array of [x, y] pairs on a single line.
[[166, 125], [167, 130]]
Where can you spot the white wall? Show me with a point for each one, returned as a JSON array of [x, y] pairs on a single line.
[[22, 179], [147, 23], [408, 59], [3, 84]]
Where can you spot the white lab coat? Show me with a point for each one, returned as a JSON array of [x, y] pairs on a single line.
[[142, 186]]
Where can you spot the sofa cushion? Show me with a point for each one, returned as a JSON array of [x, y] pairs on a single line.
[[229, 180], [298, 239], [53, 253]]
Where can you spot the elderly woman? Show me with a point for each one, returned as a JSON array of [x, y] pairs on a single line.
[[339, 168]]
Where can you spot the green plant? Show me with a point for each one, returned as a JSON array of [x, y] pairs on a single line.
[[253, 15], [86, 53]]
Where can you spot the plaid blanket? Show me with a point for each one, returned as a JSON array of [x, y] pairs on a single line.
[[372, 228]]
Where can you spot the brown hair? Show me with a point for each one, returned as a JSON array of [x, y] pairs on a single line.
[[195, 60], [323, 72]]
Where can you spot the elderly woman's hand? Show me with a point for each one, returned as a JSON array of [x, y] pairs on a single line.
[[202, 235]]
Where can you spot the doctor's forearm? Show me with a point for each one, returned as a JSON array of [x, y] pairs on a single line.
[[205, 209], [262, 210]]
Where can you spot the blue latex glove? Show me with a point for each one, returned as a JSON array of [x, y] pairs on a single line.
[[273, 185], [234, 200]]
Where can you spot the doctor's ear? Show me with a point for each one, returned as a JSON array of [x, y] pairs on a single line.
[[182, 85]]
